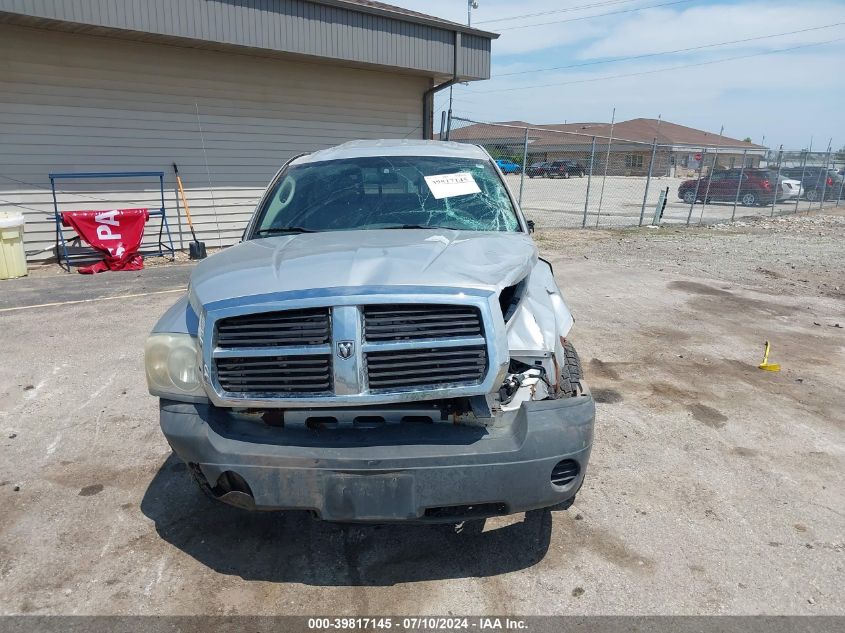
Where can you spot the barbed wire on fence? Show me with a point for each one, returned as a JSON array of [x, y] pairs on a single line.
[[554, 170]]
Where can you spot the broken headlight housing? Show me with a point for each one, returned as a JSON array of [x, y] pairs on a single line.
[[173, 367]]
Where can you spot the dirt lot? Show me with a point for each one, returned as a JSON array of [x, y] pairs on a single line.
[[714, 487]]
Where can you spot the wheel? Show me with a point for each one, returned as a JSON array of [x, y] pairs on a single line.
[[689, 197], [571, 373], [580, 174], [748, 199], [530, 176], [812, 195]]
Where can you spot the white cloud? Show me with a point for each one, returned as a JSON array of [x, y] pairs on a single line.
[[663, 29], [786, 96]]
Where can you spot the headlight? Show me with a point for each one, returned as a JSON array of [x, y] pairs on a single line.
[[173, 366]]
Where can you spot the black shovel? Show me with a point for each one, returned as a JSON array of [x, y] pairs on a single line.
[[196, 249]]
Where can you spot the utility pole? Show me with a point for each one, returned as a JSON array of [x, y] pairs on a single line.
[[471, 4]]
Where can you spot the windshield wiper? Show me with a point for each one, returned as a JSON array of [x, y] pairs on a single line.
[[278, 230], [417, 226]]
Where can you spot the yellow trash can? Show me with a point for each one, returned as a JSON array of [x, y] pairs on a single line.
[[12, 254]]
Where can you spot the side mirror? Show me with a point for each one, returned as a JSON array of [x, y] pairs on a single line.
[[530, 224]]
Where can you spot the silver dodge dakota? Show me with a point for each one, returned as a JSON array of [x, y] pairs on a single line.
[[383, 345]]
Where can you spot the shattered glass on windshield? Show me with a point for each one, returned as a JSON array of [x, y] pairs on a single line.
[[388, 192]]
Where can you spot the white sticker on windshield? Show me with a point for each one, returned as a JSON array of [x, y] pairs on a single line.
[[450, 185]]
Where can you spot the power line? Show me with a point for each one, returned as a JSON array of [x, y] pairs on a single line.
[[69, 193], [595, 15], [678, 50], [660, 70], [23, 206], [567, 10]]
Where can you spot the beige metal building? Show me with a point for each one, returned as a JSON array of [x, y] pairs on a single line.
[[226, 90]]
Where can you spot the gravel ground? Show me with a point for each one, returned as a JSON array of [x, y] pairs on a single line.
[[794, 254], [714, 487]]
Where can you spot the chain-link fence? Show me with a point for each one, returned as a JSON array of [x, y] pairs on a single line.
[[574, 175]]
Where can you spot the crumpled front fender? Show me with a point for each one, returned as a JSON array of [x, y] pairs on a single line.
[[542, 317]]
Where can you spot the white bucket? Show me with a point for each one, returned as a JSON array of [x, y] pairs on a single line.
[[12, 253]]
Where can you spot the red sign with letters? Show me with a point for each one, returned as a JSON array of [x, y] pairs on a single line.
[[116, 233]]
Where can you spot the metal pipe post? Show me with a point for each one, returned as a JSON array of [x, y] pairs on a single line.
[[524, 165], [777, 181], [648, 179], [697, 184], [803, 171], [589, 181], [606, 164], [739, 183], [710, 175], [801, 186], [825, 167]]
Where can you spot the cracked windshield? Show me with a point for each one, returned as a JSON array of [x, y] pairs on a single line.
[[395, 192]]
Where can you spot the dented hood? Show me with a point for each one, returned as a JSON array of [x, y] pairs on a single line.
[[337, 259]]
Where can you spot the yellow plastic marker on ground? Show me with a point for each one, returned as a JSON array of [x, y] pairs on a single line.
[[766, 365]]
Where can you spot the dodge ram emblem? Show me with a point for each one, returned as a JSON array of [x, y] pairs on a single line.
[[345, 349]]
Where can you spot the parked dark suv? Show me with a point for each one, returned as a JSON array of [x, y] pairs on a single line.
[[759, 186], [814, 180], [556, 169], [537, 170], [565, 169]]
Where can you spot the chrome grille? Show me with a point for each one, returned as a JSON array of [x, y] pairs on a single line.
[[413, 322], [273, 329], [281, 375], [349, 352], [426, 367]]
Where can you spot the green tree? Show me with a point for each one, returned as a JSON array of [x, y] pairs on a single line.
[[747, 139]]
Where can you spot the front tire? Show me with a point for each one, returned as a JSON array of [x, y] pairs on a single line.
[[571, 373], [689, 197], [812, 195]]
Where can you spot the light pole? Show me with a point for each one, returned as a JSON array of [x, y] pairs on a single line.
[[471, 4]]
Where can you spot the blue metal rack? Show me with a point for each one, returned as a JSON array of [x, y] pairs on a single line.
[[163, 228]]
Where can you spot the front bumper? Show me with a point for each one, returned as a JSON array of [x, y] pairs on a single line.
[[401, 472]]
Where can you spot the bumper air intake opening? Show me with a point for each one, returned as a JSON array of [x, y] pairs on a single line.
[[321, 422], [565, 472], [465, 512], [368, 421]]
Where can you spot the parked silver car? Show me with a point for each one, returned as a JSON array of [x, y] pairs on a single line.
[[383, 345]]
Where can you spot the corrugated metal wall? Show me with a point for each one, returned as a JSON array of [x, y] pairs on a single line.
[[78, 103], [292, 26]]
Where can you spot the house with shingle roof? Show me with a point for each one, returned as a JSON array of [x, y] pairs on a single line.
[[626, 146]]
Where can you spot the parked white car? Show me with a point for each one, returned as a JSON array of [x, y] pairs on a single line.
[[791, 189]]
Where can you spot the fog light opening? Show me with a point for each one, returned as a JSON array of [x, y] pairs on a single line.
[[565, 472]]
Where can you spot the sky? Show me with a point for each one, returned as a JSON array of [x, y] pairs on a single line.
[[769, 94]]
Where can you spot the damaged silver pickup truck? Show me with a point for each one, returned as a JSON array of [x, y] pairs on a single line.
[[383, 345]]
